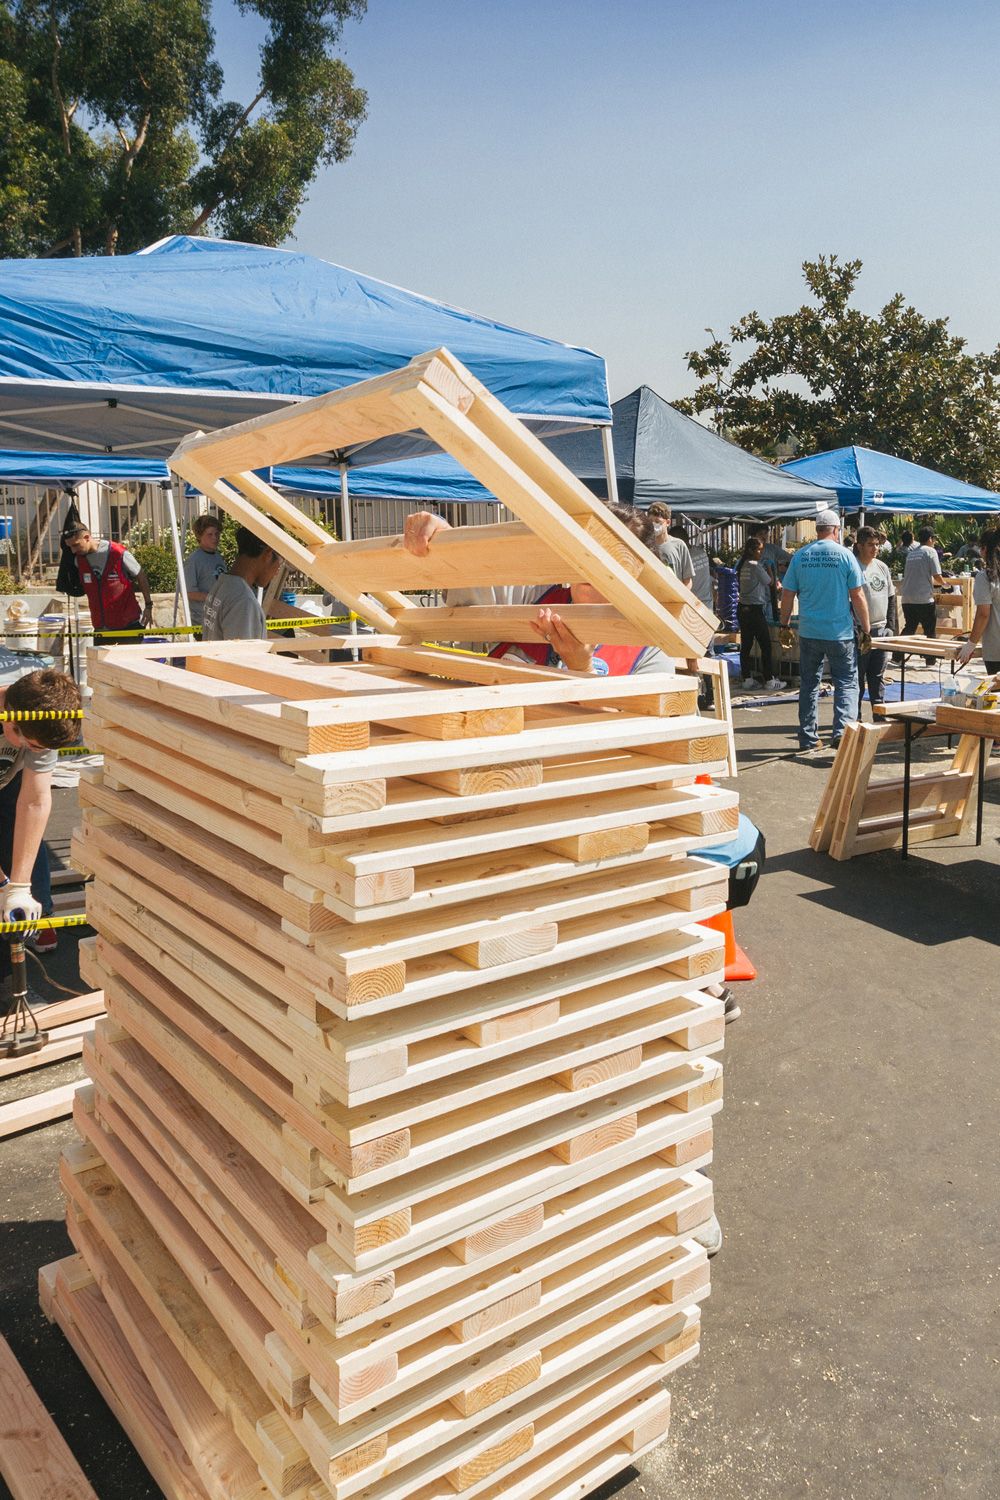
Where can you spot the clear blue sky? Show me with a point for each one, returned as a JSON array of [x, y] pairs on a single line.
[[620, 175]]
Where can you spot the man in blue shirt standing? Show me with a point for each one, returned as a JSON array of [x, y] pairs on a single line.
[[828, 582]]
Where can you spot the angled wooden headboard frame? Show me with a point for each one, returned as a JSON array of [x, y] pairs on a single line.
[[563, 534]]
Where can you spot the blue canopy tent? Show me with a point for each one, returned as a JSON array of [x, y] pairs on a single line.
[[865, 479], [122, 356], [660, 454]]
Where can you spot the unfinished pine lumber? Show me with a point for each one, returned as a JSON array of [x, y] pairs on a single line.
[[859, 814], [392, 1157]]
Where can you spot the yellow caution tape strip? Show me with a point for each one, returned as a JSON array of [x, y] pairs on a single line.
[[10, 929], [32, 716], [301, 622]]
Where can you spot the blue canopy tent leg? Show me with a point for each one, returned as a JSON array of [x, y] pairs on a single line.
[[608, 445], [346, 525], [180, 593]]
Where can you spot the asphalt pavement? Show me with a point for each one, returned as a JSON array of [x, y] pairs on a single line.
[[850, 1346]]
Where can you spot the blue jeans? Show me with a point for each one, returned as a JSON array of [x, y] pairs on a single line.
[[843, 660]]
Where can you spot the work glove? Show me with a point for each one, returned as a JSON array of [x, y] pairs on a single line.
[[786, 637], [19, 905], [966, 654], [865, 642]]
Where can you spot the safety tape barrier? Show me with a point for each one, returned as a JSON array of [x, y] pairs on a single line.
[[33, 715], [151, 632], [10, 929]]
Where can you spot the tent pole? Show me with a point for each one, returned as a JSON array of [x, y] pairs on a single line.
[[181, 589], [607, 443], [346, 528]]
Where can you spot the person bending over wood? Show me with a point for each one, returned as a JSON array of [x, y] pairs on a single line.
[[557, 645], [28, 755], [233, 611]]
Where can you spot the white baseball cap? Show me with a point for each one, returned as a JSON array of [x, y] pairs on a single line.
[[827, 518]]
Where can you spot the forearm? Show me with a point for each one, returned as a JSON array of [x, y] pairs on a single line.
[[787, 605], [142, 584], [195, 596], [979, 624], [29, 829]]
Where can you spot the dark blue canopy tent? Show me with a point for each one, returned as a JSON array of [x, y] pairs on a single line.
[[660, 454], [865, 479]]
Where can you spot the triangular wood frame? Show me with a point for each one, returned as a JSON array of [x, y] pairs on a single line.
[[563, 534]]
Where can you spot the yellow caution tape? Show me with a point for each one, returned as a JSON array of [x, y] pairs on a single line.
[[301, 622], [9, 929], [76, 750], [32, 715]]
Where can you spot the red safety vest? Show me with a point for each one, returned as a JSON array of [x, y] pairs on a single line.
[[621, 660], [113, 605]]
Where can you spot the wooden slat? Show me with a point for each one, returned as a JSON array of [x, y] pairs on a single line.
[[35, 1461]]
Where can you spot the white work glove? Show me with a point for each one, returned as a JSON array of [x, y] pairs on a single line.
[[19, 905], [965, 654]]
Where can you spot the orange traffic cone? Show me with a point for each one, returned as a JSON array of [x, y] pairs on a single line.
[[738, 965]]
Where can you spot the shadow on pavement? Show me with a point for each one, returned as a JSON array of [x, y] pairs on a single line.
[[916, 900]]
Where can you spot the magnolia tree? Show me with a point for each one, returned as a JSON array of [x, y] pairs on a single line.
[[829, 375]]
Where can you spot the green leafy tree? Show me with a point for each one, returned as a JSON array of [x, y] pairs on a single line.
[[115, 130], [829, 375]]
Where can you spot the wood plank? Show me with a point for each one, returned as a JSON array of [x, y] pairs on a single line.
[[37, 1109], [35, 1460]]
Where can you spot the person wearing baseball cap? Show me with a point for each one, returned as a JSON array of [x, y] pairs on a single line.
[[828, 582]]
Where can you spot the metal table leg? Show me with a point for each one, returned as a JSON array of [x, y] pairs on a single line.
[[902, 679], [979, 793], [907, 754]]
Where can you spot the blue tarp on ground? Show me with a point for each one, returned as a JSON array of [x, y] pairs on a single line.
[[863, 477], [660, 454], [433, 476], [127, 354]]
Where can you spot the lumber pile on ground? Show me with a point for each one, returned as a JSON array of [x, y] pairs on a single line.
[[858, 815], [68, 1023], [35, 1462], [394, 1149]]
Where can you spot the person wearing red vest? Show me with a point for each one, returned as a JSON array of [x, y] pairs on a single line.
[[557, 645], [110, 576]]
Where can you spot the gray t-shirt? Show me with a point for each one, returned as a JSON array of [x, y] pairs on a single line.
[[12, 761], [201, 569], [985, 592], [675, 554], [878, 592], [755, 584], [232, 612], [922, 566], [97, 559], [702, 585]]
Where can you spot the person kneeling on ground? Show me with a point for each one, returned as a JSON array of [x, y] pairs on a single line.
[[232, 611], [28, 755]]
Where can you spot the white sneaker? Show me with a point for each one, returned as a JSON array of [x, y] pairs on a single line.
[[750, 682], [709, 1236], [774, 685]]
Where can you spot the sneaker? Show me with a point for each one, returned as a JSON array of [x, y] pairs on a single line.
[[43, 942], [732, 1006], [750, 682], [709, 1236], [774, 685], [810, 752]]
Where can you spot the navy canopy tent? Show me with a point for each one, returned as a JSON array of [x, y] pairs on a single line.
[[124, 355], [662, 455], [865, 479]]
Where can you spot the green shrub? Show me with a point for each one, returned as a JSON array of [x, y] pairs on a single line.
[[8, 583]]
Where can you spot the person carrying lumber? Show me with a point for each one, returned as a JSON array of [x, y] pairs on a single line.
[[232, 610], [110, 575], [557, 645], [829, 585], [204, 566], [28, 755]]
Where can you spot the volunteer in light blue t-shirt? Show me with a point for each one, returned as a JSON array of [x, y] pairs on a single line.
[[827, 581]]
